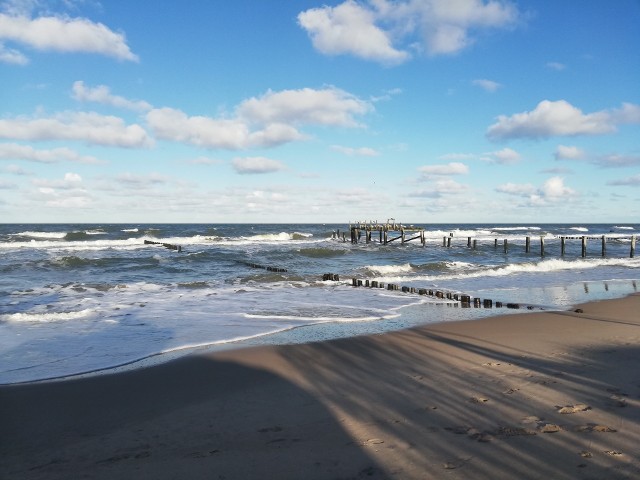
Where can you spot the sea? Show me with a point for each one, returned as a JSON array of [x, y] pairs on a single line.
[[80, 299]]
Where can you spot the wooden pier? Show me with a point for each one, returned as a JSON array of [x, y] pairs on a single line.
[[391, 231], [385, 232]]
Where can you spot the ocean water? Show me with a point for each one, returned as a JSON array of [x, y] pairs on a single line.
[[83, 298]]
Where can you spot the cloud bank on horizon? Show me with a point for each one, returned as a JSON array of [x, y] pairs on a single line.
[[449, 111]]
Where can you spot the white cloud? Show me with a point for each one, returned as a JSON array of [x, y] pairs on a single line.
[[14, 151], [504, 156], [330, 106], [261, 122], [12, 56], [360, 152], [632, 181], [560, 118], [87, 127], [453, 168], [102, 94], [615, 160], [68, 182], [517, 189], [350, 28], [566, 152], [63, 34], [255, 165], [553, 190], [556, 66], [369, 29], [141, 181], [488, 85]]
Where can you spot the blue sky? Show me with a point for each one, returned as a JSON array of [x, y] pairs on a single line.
[[320, 111]]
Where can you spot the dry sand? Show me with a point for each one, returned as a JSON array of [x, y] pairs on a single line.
[[537, 395]]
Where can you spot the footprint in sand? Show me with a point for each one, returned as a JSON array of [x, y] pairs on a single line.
[[549, 428], [568, 409], [478, 400], [373, 441]]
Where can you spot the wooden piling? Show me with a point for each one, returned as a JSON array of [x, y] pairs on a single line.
[[506, 246], [563, 242], [527, 245], [584, 246], [633, 246], [604, 246], [475, 243], [468, 242], [444, 241], [448, 242], [495, 243], [541, 246]]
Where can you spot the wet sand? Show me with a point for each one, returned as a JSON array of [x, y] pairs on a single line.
[[536, 395]]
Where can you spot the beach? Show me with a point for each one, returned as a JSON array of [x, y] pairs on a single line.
[[535, 395]]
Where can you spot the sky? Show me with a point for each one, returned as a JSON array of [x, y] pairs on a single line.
[[319, 111]]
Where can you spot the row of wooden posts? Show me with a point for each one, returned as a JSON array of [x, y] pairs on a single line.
[[462, 299], [170, 246], [383, 233]]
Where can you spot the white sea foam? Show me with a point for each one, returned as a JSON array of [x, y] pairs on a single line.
[[129, 230], [39, 234], [624, 228], [46, 317], [514, 229], [390, 269], [579, 229]]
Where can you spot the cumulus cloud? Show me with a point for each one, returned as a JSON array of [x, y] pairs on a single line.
[[256, 165], [87, 127], [350, 28], [453, 168], [359, 152], [102, 94], [560, 118], [487, 85], [14, 151], [632, 181], [553, 190], [63, 34], [440, 188], [383, 30], [69, 181], [266, 121], [503, 157], [329, 106], [566, 152]]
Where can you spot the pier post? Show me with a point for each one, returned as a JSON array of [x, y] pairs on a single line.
[[475, 243], [402, 233], [386, 236], [495, 243], [506, 246], [422, 238], [444, 241], [448, 242], [633, 246], [527, 245], [563, 242], [604, 246], [541, 246], [380, 230], [584, 246], [468, 242]]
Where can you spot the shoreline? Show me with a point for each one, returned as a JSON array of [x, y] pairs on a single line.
[[542, 395], [412, 317]]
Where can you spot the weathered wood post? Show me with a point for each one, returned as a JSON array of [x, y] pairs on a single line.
[[563, 242], [475, 243], [423, 238], [468, 242], [584, 246], [444, 241], [386, 236], [402, 233], [604, 246], [633, 246], [527, 245], [541, 246], [506, 246], [495, 243], [380, 230], [448, 242]]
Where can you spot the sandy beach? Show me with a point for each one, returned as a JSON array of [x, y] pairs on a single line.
[[527, 396]]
